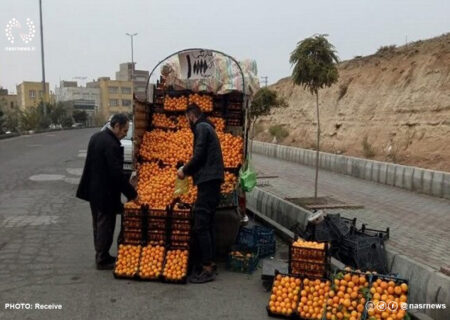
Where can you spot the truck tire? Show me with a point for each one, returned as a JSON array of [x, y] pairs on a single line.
[[227, 223]]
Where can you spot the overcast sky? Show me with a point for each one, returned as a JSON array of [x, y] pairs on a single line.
[[87, 37]]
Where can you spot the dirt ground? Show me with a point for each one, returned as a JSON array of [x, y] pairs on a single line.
[[391, 106]]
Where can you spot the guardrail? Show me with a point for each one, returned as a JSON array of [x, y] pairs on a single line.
[[431, 182]]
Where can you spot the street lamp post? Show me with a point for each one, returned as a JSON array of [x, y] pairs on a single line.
[[42, 59], [132, 57]]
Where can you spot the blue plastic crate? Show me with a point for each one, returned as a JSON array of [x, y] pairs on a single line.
[[266, 249], [247, 237], [264, 235]]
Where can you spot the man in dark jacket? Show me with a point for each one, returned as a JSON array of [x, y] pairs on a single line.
[[207, 169], [102, 183]]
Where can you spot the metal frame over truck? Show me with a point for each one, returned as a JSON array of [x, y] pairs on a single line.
[[219, 76]]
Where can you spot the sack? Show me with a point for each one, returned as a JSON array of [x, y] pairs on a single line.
[[181, 187], [247, 177]]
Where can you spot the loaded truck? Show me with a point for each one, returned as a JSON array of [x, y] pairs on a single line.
[[223, 88]]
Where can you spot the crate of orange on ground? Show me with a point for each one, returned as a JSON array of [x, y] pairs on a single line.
[[390, 291], [284, 296], [313, 298], [127, 261], [309, 258], [348, 296], [151, 262], [176, 265]]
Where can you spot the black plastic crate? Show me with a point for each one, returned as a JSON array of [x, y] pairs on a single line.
[[125, 276], [314, 281], [384, 234], [361, 293], [364, 252], [149, 278], [278, 276], [183, 280]]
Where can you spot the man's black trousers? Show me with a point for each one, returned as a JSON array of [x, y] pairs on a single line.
[[103, 224], [208, 198]]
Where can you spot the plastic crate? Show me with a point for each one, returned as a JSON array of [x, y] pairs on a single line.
[[266, 249], [247, 262], [247, 237], [273, 313], [364, 252], [384, 234], [264, 235], [313, 281], [361, 293], [309, 261], [183, 280]]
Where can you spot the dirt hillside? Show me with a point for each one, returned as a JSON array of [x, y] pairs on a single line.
[[390, 106]]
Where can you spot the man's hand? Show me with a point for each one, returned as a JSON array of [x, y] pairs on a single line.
[[180, 173], [133, 180]]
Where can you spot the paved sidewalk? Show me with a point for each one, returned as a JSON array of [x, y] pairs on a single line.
[[419, 224]]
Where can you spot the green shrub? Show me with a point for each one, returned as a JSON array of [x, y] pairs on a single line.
[[278, 131]]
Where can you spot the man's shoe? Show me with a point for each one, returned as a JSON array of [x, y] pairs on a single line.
[[203, 277], [111, 259], [105, 266]]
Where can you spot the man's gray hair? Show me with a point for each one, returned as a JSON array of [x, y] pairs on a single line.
[[120, 118]]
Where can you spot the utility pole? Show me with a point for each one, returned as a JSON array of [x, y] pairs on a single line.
[[265, 80], [42, 60], [132, 57]]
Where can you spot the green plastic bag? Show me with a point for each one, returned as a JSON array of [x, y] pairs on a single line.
[[181, 187], [247, 177]]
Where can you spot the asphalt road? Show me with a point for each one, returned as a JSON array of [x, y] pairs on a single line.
[[47, 254]]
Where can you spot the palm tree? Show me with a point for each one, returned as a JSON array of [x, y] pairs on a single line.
[[314, 61]]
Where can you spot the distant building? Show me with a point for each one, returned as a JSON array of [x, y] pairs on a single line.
[[115, 96], [78, 98], [29, 94], [10, 100], [140, 78]]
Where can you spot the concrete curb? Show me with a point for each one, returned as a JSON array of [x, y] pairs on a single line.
[[426, 284], [431, 182]]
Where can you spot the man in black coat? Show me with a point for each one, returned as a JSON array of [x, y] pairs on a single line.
[[102, 183], [207, 169]]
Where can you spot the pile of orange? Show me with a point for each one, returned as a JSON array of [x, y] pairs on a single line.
[[232, 149], [151, 262], [132, 205], [205, 102], [229, 184], [347, 300], [313, 298], [219, 123], [162, 121], [308, 244], [284, 297], [175, 104], [182, 122], [170, 147], [156, 185], [127, 263], [176, 264], [392, 294]]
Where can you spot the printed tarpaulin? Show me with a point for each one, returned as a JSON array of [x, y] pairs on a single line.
[[204, 70]]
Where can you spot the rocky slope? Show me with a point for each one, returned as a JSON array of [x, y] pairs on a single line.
[[390, 106]]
